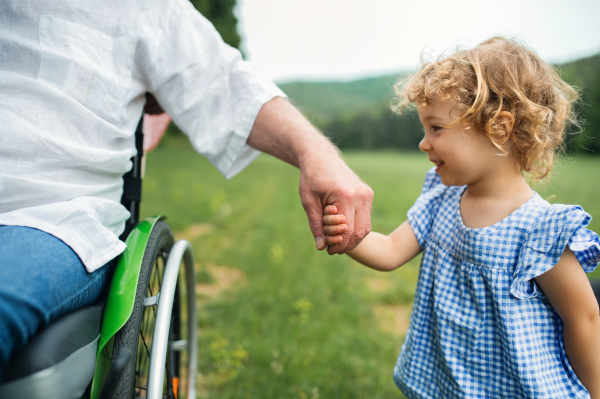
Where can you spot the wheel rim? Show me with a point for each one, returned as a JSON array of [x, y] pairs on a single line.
[[172, 385]]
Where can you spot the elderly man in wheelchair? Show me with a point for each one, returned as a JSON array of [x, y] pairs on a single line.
[[83, 313], [149, 329]]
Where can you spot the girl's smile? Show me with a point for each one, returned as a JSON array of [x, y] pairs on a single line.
[[439, 165]]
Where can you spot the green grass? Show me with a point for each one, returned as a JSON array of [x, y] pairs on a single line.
[[300, 324]]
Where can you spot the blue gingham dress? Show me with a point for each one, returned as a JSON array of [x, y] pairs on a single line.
[[480, 326]]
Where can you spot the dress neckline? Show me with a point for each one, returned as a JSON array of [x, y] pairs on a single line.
[[498, 224]]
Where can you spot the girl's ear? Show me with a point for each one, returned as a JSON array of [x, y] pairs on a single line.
[[506, 122]]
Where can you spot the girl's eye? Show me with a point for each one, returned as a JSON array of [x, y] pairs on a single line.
[[436, 128]]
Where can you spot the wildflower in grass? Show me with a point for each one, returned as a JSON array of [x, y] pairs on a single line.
[[278, 363], [302, 308], [314, 393], [277, 253], [228, 360]]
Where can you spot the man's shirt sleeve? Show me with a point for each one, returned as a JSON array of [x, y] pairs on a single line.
[[210, 92]]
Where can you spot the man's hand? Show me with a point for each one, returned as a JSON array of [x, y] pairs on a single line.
[[282, 131], [326, 182]]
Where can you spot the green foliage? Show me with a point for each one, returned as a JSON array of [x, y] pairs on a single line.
[[585, 74], [322, 100], [302, 309], [301, 324], [357, 115], [220, 13], [377, 128], [227, 360]]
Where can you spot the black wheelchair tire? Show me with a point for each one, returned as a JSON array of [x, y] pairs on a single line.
[[159, 245]]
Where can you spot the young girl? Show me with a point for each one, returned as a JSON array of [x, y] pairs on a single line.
[[503, 308]]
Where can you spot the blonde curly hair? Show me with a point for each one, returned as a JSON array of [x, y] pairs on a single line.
[[494, 76]]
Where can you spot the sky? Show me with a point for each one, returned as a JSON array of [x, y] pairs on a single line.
[[316, 40]]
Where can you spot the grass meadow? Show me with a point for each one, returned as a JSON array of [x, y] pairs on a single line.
[[278, 319]]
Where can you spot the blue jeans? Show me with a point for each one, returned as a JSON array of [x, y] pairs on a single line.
[[41, 279]]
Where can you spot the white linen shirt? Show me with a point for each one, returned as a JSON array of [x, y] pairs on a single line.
[[73, 75]]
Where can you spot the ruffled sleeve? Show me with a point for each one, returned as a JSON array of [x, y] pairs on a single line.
[[423, 212], [559, 226]]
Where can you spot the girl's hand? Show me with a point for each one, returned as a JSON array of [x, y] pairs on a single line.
[[376, 251], [334, 225]]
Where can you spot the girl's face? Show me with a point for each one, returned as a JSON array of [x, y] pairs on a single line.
[[463, 155]]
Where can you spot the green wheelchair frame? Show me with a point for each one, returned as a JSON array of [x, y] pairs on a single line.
[[121, 302], [140, 340]]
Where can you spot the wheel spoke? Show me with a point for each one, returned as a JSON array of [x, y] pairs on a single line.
[[169, 375], [144, 341]]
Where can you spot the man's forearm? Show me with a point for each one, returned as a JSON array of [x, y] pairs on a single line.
[[282, 131]]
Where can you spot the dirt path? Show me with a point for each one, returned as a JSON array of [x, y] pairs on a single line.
[[224, 278]]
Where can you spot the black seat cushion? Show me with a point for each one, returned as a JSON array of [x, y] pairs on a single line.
[[56, 342]]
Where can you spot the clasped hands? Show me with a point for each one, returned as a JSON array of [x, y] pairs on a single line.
[[330, 187]]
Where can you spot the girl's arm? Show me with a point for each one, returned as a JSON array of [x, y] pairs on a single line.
[[376, 250], [567, 288]]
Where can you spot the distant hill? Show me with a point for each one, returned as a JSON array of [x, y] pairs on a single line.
[[356, 114], [322, 100], [581, 72]]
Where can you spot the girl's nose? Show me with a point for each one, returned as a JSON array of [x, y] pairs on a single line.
[[424, 144]]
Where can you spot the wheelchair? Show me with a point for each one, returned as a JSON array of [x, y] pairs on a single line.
[[139, 340]]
